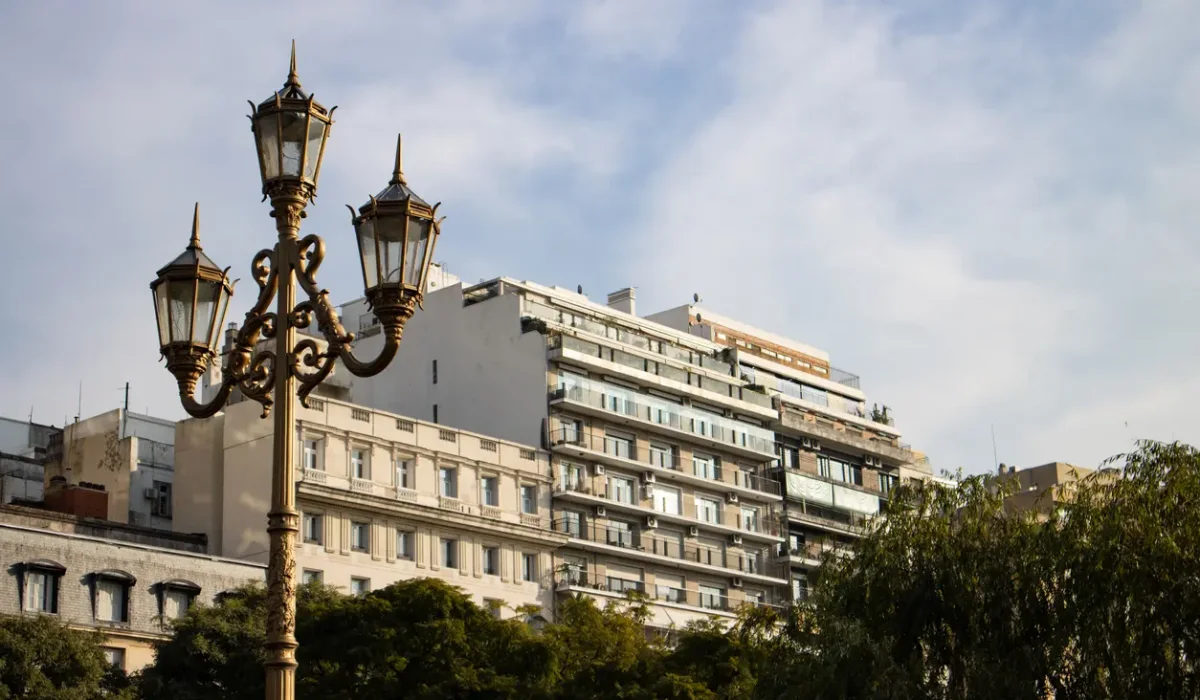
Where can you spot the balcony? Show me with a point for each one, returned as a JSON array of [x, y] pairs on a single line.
[[644, 545], [652, 372], [619, 453], [853, 439], [820, 517], [682, 598], [812, 554], [667, 419], [769, 529]]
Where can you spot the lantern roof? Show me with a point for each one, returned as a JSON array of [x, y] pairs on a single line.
[[194, 255], [291, 89], [398, 189]]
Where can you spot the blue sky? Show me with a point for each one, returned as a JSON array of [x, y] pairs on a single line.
[[986, 209]]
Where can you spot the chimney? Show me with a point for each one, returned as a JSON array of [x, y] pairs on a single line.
[[624, 300]]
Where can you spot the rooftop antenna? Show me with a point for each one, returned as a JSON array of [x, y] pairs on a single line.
[[79, 405], [995, 458]]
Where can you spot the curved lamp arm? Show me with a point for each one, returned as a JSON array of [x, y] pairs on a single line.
[[253, 373], [310, 252]]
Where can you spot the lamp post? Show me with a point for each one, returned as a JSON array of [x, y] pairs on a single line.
[[396, 232]]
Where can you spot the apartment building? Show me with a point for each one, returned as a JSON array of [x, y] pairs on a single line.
[[124, 581], [383, 498], [659, 450], [836, 460], [24, 446], [1043, 488], [129, 454]]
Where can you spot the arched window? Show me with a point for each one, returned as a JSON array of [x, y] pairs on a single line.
[[175, 597], [110, 596], [38, 582]]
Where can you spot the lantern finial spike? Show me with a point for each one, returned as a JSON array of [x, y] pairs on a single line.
[[195, 242], [398, 172], [292, 78]]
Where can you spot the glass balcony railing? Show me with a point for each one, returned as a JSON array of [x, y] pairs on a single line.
[[648, 541], [644, 407]]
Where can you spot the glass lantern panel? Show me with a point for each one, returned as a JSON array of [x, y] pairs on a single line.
[[391, 245], [418, 241], [160, 312], [180, 307], [294, 127], [266, 132], [206, 309], [219, 320], [316, 134], [365, 229]]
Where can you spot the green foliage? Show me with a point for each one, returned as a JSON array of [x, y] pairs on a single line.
[[951, 596], [41, 659]]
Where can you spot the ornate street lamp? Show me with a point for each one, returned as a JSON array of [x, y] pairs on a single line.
[[396, 232]]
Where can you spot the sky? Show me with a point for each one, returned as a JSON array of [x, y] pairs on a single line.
[[987, 210]]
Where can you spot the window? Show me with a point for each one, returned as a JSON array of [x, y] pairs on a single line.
[[571, 430], [359, 586], [360, 537], [572, 523], [490, 485], [314, 528], [41, 586], [491, 561], [705, 467], [449, 553], [570, 475], [312, 452], [311, 576], [839, 470], [404, 544], [712, 597], [435, 371], [114, 656], [620, 585], [749, 519], [529, 499], [799, 587], [752, 563], [176, 598], [404, 475], [619, 446], [160, 504], [708, 509], [360, 468], [449, 479], [620, 489], [112, 596], [887, 482], [529, 567], [620, 534], [494, 607], [796, 543], [662, 456], [666, 500], [789, 456]]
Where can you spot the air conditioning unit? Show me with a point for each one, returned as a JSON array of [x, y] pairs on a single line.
[[693, 531], [651, 521], [648, 477], [648, 492], [737, 581], [731, 497], [807, 443], [601, 511], [816, 446], [735, 539], [599, 469], [150, 493]]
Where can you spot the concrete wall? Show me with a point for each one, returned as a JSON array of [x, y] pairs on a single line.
[[24, 538], [491, 377]]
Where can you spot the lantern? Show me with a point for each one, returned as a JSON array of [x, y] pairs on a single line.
[[290, 130]]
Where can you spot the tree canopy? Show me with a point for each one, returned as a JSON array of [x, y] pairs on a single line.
[[952, 595]]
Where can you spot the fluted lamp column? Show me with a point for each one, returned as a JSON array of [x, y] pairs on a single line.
[[396, 232]]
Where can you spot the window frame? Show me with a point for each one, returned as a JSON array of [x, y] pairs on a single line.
[[410, 537], [53, 573], [319, 520], [484, 492], [491, 560], [529, 507], [165, 588], [529, 567], [449, 553], [448, 475], [365, 585], [363, 527], [403, 471], [125, 582], [317, 452], [360, 468], [314, 575]]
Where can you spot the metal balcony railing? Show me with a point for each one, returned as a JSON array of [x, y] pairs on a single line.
[[625, 449]]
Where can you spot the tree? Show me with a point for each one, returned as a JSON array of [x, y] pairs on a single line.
[[951, 596], [42, 659]]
